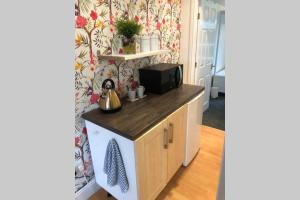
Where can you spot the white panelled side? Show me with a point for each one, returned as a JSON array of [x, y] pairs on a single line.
[[194, 121], [98, 140]]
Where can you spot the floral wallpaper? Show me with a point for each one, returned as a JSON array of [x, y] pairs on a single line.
[[94, 22]]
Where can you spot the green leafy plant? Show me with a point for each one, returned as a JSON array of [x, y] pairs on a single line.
[[128, 28]]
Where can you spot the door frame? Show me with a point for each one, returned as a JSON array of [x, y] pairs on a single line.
[[188, 46]]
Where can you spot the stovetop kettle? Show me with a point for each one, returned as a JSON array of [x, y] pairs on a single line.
[[109, 100]]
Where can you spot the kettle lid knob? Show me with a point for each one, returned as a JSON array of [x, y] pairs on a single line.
[[108, 86]]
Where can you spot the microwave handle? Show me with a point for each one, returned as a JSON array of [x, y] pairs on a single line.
[[179, 70]]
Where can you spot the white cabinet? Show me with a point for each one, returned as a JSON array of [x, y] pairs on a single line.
[[151, 160]]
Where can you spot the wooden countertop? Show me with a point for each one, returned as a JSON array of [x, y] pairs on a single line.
[[135, 118]]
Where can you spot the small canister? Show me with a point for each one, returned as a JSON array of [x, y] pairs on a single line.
[[145, 43], [154, 43]]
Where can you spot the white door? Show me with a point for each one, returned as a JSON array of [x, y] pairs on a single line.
[[220, 53], [205, 57], [204, 61]]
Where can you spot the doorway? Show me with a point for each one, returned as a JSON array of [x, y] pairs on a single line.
[[207, 54], [200, 21], [210, 62]]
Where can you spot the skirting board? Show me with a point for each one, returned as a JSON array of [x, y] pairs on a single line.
[[205, 106], [87, 191]]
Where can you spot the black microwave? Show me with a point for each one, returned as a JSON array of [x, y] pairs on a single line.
[[162, 77]]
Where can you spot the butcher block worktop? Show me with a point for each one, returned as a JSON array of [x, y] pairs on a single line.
[[135, 118]]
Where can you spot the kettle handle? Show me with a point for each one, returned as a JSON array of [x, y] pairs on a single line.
[[108, 80]]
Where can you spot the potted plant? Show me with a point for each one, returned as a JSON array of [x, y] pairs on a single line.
[[132, 89], [134, 85], [128, 29]]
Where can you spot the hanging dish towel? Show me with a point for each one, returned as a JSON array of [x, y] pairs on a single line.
[[114, 166]]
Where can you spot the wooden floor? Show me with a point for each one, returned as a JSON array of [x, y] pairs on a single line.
[[198, 181]]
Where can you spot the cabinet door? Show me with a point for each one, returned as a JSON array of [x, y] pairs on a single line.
[[151, 153], [176, 125]]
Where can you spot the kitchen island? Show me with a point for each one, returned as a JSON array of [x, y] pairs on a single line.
[[151, 135]]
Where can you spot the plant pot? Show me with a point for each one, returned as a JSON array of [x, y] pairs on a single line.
[[129, 45], [132, 94]]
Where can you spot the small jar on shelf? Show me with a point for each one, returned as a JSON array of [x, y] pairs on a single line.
[[145, 43], [154, 42]]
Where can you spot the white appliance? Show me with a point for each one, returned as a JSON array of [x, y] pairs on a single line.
[[194, 121]]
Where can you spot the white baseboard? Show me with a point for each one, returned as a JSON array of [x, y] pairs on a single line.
[[87, 191], [205, 106]]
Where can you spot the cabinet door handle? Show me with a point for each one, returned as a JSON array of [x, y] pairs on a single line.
[[165, 138], [171, 132]]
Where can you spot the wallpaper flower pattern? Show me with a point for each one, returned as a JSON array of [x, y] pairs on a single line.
[[94, 22]]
